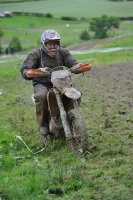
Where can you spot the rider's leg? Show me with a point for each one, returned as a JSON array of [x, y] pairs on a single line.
[[40, 95]]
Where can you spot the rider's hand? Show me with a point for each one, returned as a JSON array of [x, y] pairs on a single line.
[[73, 69], [46, 71]]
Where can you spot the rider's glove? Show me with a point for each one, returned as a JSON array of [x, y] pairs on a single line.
[[46, 70], [73, 69]]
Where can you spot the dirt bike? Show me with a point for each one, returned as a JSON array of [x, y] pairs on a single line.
[[65, 119]]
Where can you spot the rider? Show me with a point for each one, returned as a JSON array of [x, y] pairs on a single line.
[[50, 55]]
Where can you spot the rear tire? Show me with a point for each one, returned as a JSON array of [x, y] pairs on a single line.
[[79, 139]]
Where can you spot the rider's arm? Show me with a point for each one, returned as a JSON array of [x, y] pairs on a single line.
[[74, 69], [69, 61], [73, 64], [67, 58], [83, 67], [35, 73], [30, 65]]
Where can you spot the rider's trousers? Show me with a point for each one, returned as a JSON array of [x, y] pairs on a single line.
[[40, 95]]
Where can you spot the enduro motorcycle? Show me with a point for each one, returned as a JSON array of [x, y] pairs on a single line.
[[65, 119]]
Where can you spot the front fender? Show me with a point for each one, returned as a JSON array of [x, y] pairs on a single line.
[[71, 93]]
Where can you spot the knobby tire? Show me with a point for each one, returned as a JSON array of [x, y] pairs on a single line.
[[78, 143]]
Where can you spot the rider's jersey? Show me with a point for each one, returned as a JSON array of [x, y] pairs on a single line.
[[38, 58]]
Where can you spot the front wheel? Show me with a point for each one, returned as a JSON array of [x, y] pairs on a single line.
[[79, 139]]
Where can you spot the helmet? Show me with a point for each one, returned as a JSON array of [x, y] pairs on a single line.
[[50, 35]]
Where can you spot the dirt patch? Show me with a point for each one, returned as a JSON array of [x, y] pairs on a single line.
[[112, 85], [88, 45]]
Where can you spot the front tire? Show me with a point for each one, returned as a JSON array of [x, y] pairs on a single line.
[[79, 139]]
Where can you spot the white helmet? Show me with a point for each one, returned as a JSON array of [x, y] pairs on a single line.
[[50, 35]]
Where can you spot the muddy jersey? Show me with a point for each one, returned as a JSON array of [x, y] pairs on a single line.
[[38, 58]]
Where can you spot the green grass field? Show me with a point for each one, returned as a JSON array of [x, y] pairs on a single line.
[[30, 36], [55, 174], [76, 8]]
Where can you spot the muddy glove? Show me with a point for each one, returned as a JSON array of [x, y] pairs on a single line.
[[35, 73], [81, 68], [46, 70], [73, 69]]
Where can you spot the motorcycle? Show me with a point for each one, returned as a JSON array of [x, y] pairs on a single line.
[[65, 119]]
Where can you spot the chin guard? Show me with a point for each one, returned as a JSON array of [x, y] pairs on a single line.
[[53, 52]]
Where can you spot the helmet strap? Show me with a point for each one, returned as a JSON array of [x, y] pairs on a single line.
[[42, 61]]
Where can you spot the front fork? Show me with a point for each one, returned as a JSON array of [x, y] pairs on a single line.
[[63, 114]]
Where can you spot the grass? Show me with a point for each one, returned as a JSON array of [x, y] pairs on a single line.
[[126, 41], [83, 9], [30, 36], [105, 59], [56, 173]]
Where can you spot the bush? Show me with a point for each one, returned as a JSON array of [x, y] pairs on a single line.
[[48, 15], [85, 35], [15, 42], [120, 0], [1, 50], [101, 25], [69, 18], [116, 0], [1, 35]]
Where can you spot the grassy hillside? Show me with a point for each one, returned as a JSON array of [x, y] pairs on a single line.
[[79, 9], [56, 173], [29, 36]]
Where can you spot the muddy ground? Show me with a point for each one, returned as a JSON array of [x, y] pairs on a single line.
[[111, 84], [114, 86]]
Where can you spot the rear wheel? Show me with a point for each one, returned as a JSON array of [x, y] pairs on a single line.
[[78, 141]]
